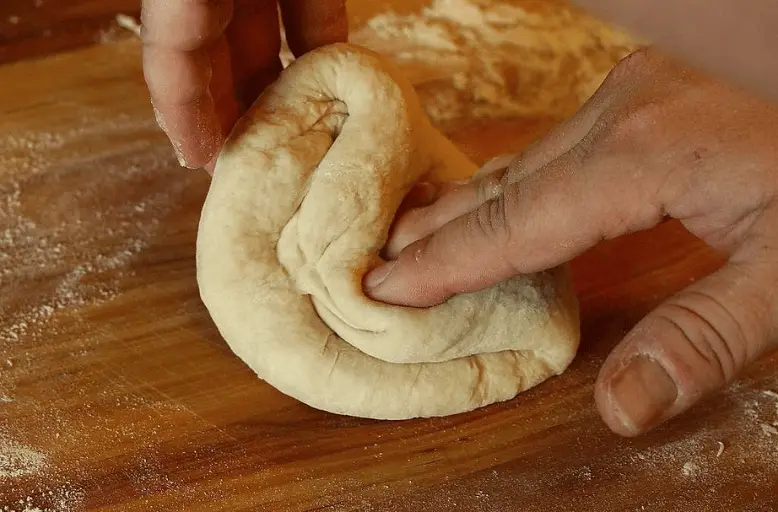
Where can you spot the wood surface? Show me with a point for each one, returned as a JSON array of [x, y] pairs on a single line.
[[117, 393]]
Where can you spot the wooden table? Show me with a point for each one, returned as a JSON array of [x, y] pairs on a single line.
[[117, 393]]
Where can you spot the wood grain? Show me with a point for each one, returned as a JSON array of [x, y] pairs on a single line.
[[35, 28], [117, 393]]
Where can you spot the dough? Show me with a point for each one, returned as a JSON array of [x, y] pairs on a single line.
[[301, 202]]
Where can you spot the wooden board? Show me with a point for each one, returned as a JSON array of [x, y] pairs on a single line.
[[117, 393]]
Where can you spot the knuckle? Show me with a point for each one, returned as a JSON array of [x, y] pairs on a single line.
[[629, 72], [184, 25], [491, 186], [636, 62], [633, 122], [517, 169], [175, 79], [491, 221], [714, 335]]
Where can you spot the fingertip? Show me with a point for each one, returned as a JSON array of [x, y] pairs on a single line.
[[378, 275], [635, 395], [404, 280], [194, 131]]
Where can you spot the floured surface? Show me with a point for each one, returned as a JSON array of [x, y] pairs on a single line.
[[132, 403], [497, 59]]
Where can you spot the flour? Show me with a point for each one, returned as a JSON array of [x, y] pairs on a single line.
[[690, 469], [35, 244], [769, 430], [771, 394], [473, 59], [17, 460], [60, 499], [77, 210], [495, 59]]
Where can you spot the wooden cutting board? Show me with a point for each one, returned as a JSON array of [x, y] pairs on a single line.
[[117, 393]]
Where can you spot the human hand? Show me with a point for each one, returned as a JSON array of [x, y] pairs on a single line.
[[205, 62], [656, 140]]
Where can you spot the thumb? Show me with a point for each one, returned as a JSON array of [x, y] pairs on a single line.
[[694, 343]]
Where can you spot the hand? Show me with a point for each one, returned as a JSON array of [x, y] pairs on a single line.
[[656, 140], [206, 61]]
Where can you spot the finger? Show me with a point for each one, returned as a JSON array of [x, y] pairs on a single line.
[[184, 25], [223, 92], [543, 221], [425, 193], [255, 42], [177, 67], [183, 105], [446, 202], [561, 139], [497, 163], [311, 24], [420, 196], [694, 343], [489, 180]]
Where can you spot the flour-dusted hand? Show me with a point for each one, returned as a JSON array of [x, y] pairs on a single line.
[[206, 61], [656, 140]]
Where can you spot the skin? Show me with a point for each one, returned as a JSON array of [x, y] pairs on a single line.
[[735, 40], [206, 61], [657, 140]]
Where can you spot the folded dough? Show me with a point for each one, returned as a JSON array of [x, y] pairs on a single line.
[[301, 202]]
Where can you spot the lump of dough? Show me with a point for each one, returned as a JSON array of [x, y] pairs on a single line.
[[301, 202]]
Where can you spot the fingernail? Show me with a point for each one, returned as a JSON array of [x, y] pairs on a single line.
[[378, 275], [425, 190], [180, 157], [421, 194], [495, 164], [176, 147], [641, 393]]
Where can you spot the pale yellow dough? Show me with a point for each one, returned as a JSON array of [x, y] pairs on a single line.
[[302, 199]]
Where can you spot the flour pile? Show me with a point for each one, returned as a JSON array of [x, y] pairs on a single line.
[[472, 59]]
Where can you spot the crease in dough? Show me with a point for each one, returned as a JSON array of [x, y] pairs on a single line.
[[301, 202]]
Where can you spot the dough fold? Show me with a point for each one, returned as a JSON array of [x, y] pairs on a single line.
[[301, 202]]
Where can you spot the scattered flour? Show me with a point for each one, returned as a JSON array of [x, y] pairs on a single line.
[[61, 499], [17, 460], [769, 430], [62, 253], [474, 59], [76, 256], [771, 394], [690, 469]]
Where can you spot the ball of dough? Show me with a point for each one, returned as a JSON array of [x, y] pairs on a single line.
[[301, 202]]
